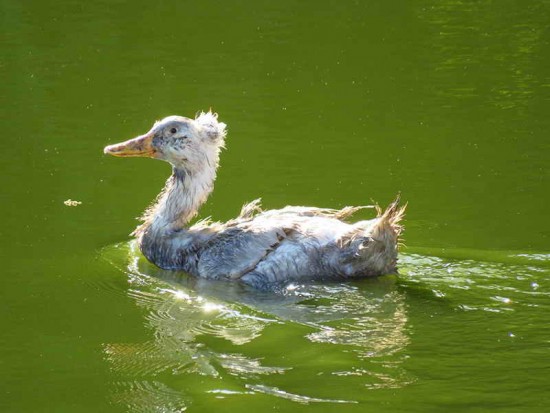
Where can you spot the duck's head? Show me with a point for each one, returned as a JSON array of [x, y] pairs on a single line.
[[190, 144]]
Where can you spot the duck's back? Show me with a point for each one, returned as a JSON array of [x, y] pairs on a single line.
[[299, 243]]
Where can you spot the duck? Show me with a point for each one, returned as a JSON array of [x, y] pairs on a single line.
[[260, 248]]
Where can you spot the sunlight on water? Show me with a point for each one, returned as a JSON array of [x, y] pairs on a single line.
[[274, 391], [182, 310], [362, 327], [147, 396], [474, 285], [327, 104]]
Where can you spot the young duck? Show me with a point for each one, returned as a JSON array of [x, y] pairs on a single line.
[[259, 248]]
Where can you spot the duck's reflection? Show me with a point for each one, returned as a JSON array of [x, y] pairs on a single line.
[[206, 329]]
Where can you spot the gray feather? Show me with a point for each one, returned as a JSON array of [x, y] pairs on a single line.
[[258, 247]]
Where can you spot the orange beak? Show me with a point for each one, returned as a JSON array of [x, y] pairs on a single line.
[[140, 146]]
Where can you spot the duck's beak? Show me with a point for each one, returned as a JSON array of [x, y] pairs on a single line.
[[140, 146]]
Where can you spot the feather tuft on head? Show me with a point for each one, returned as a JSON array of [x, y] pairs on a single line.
[[210, 127]]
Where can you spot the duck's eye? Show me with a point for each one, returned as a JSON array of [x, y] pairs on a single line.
[[173, 130]]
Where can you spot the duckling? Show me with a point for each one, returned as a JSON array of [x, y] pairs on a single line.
[[259, 248]]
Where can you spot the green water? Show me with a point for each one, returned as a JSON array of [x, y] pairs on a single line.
[[328, 103]]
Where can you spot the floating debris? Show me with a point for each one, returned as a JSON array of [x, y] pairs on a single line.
[[70, 202]]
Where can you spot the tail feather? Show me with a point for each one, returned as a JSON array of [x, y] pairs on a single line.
[[387, 232], [392, 216], [372, 249]]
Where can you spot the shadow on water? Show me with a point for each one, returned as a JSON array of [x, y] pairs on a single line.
[[219, 330]]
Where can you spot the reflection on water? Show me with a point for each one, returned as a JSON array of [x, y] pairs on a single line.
[[482, 286], [274, 391], [149, 396], [208, 329], [367, 323]]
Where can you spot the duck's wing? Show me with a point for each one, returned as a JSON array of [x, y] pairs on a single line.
[[253, 235], [237, 250], [304, 211], [252, 209]]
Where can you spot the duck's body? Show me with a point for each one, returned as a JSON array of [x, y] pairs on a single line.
[[260, 248]]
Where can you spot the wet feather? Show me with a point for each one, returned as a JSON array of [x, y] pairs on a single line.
[[261, 248]]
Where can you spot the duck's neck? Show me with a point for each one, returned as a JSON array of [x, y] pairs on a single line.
[[184, 193]]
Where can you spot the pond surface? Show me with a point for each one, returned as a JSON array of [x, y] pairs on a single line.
[[328, 104]]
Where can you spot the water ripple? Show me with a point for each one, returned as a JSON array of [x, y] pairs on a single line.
[[207, 328], [477, 285], [146, 397], [274, 391]]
